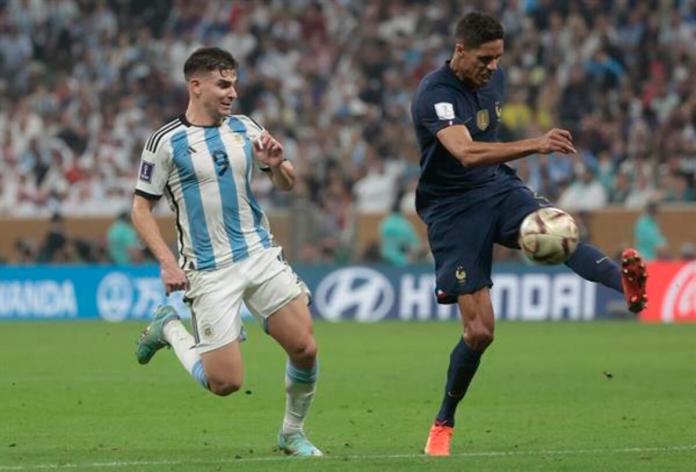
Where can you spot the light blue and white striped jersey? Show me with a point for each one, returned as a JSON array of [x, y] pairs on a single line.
[[206, 172]]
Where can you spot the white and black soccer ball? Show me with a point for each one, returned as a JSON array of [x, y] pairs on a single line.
[[548, 236]]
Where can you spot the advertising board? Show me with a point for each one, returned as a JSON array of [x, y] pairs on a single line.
[[360, 293]]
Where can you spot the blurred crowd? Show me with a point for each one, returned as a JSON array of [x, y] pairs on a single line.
[[84, 82]]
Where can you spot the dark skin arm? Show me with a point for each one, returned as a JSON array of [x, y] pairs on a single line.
[[457, 140]]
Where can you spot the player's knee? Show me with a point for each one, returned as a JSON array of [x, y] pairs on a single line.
[[224, 388], [479, 339], [305, 351]]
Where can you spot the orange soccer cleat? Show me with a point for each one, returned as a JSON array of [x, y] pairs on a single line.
[[439, 440], [633, 278]]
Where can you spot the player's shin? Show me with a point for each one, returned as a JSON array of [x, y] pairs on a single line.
[[464, 362], [299, 387], [183, 344], [591, 264]]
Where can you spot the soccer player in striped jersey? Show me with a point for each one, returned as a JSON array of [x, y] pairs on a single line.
[[203, 162]]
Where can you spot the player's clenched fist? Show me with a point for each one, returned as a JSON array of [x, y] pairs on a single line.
[[556, 140]]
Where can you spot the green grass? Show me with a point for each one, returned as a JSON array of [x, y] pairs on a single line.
[[73, 397]]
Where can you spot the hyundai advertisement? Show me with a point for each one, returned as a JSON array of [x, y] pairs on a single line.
[[343, 293]]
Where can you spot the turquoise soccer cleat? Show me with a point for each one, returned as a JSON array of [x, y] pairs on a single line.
[[152, 338], [297, 444]]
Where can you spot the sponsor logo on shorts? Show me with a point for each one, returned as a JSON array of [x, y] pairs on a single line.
[[207, 331], [460, 274]]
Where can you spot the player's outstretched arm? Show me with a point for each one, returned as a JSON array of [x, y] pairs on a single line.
[[173, 277], [457, 140]]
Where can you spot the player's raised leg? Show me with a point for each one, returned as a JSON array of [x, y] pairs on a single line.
[[476, 312], [291, 326], [212, 355], [630, 278], [166, 329], [587, 261]]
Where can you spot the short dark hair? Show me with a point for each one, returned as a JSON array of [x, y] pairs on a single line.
[[208, 59], [477, 28]]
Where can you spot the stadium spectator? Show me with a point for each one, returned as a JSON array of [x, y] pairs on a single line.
[[123, 245], [677, 189], [585, 193], [399, 241], [25, 251], [55, 246], [88, 81], [687, 252], [619, 191], [648, 236]]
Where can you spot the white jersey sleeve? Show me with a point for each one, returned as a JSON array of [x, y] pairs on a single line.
[[155, 164], [253, 129]]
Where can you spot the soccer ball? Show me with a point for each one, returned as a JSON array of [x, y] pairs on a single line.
[[548, 236]]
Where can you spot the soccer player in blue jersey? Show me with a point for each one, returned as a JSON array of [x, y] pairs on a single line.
[[469, 199], [203, 162]]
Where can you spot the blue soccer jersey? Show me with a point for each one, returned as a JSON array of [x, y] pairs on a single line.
[[205, 172], [466, 209], [443, 100]]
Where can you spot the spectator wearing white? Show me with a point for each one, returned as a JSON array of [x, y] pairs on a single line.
[[585, 193]]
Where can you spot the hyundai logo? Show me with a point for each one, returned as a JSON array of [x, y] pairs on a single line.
[[354, 292]]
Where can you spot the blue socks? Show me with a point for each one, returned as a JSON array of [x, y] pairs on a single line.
[[590, 264], [198, 373], [463, 364], [299, 375]]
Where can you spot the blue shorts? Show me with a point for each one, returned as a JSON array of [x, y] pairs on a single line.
[[462, 240]]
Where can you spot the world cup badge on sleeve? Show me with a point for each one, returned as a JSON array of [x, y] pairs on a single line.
[[146, 169]]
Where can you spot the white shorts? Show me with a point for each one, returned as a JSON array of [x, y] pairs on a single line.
[[263, 281]]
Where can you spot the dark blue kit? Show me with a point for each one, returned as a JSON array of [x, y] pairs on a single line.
[[466, 209]]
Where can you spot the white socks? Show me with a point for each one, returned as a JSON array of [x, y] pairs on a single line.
[[183, 344], [299, 387]]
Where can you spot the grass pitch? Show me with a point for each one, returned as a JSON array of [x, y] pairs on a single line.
[[594, 396]]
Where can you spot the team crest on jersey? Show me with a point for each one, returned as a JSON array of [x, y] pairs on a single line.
[[482, 119], [146, 169], [460, 274]]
